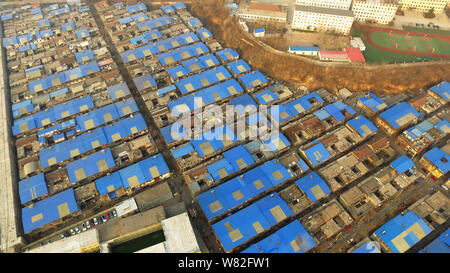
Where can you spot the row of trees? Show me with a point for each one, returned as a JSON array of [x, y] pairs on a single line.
[[290, 69]]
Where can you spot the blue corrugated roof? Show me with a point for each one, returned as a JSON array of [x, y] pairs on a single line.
[[313, 186], [82, 33], [90, 165], [136, 8], [195, 23], [63, 77], [399, 226], [227, 54], [266, 96], [203, 79], [244, 103], [282, 113], [84, 56], [204, 33], [275, 172], [168, 9], [284, 240], [182, 53], [54, 113], [67, 26], [49, 210], [154, 23], [183, 150], [443, 126], [439, 245], [138, 17], [239, 66], [402, 164], [153, 167], [144, 82], [179, 5], [204, 97], [303, 48], [362, 126], [259, 30], [174, 132], [440, 159], [253, 79], [133, 175], [238, 157], [32, 188], [217, 169], [43, 23], [161, 92], [276, 143], [214, 137], [373, 102], [368, 247], [227, 196], [317, 154], [109, 183], [125, 20], [119, 90], [243, 225], [395, 113], [443, 90]]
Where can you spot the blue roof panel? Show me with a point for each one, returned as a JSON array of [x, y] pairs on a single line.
[[395, 115], [313, 186], [402, 164], [32, 188], [49, 210], [443, 90], [393, 232], [292, 238], [439, 158]]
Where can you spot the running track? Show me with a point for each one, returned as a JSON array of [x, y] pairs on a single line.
[[369, 30]]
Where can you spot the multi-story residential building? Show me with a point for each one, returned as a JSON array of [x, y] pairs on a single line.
[[424, 5], [332, 4], [260, 11], [323, 19], [379, 11]]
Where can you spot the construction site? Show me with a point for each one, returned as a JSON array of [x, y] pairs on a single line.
[[109, 108]]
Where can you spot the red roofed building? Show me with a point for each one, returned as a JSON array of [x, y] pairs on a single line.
[[334, 56], [355, 55], [265, 7]]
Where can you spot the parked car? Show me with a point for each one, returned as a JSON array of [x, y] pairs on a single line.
[[63, 236], [88, 225], [84, 227], [95, 221], [77, 230], [104, 218], [114, 213], [107, 216], [72, 231]]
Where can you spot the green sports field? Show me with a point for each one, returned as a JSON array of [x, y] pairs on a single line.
[[385, 40], [378, 56]]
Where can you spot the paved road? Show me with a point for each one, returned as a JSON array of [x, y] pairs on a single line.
[[8, 209]]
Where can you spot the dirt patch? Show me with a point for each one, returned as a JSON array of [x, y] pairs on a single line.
[[296, 70]]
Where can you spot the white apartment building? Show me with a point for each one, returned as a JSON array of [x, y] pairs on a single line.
[[323, 19], [332, 4], [424, 5], [379, 11], [257, 11]]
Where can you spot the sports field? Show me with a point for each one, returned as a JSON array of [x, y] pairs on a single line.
[[386, 45]]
